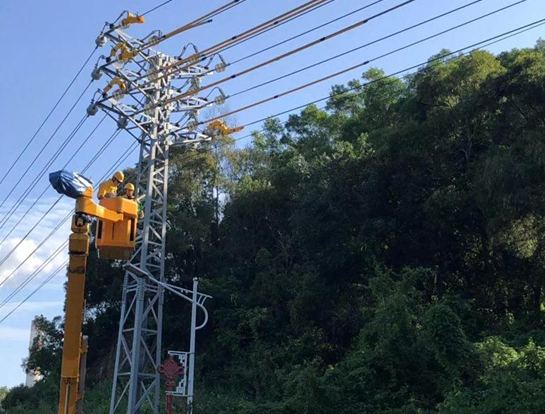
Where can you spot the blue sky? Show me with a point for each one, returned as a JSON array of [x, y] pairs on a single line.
[[45, 43]]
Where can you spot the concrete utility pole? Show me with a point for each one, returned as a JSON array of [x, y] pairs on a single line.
[[141, 80]]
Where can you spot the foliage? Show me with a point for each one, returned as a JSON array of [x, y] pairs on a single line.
[[384, 255]]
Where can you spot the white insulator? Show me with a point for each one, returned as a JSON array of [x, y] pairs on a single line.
[[122, 122], [154, 40], [220, 67], [192, 125], [194, 59], [219, 100], [96, 74], [101, 40], [194, 114], [92, 110]]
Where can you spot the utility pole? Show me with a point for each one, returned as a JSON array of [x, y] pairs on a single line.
[[141, 81]]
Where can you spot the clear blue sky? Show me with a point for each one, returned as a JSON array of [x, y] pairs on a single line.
[[44, 43]]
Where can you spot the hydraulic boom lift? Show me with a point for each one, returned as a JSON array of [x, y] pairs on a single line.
[[116, 240]]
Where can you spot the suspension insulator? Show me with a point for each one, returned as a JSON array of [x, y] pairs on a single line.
[[92, 110], [219, 100], [122, 122], [96, 74], [101, 40]]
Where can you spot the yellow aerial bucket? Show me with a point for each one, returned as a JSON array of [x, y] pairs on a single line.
[[116, 240]]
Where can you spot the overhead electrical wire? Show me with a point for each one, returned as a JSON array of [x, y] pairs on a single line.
[[119, 161], [33, 275], [344, 16], [201, 20], [351, 68], [369, 44], [214, 49], [38, 176], [290, 20], [454, 55], [291, 53], [248, 33], [55, 273], [38, 198], [57, 227], [45, 145], [156, 7], [91, 162], [48, 115]]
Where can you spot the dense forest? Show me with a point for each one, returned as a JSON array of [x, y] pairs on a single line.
[[383, 254]]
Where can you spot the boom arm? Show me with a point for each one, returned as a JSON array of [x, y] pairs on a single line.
[[75, 346]]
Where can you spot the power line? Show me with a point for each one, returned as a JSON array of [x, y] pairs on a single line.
[[32, 276], [311, 5], [351, 68], [27, 191], [362, 47], [59, 225], [48, 116], [91, 162], [156, 7], [283, 23], [119, 161], [47, 186], [292, 52], [46, 144], [199, 21], [59, 269], [306, 32], [485, 43]]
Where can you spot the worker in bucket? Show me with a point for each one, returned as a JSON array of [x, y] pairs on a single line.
[[129, 191], [129, 194], [108, 189]]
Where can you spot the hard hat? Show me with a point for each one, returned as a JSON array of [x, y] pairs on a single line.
[[129, 186], [120, 176]]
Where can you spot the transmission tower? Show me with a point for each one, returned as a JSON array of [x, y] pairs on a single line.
[[140, 79]]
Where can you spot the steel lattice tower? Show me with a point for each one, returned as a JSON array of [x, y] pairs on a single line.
[[145, 83]]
